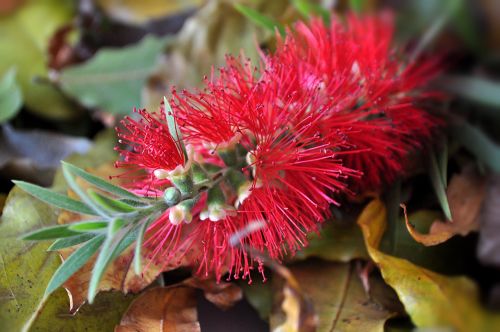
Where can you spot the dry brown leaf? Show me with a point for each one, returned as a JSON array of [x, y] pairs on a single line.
[[433, 301], [466, 194], [224, 294], [170, 309], [491, 12], [296, 312]]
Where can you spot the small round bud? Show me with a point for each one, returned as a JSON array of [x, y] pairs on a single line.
[[172, 196], [161, 174], [178, 214]]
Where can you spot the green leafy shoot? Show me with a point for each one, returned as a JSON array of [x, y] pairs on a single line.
[[71, 241], [259, 19], [101, 183], [109, 204], [50, 233], [307, 9], [55, 199], [74, 263]]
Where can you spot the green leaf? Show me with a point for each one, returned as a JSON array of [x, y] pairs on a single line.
[[138, 244], [476, 141], [103, 315], [173, 128], [11, 98], [113, 79], [74, 263], [110, 204], [475, 89], [55, 199], [260, 297], [307, 8], [358, 6], [260, 19], [435, 27], [100, 153], [439, 184], [88, 226], [83, 196], [101, 183], [111, 248], [50, 233], [25, 268], [24, 41], [70, 241], [133, 203], [341, 242]]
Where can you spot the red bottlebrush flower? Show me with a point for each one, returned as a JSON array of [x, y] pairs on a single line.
[[212, 116], [202, 244], [149, 148], [333, 103], [361, 76]]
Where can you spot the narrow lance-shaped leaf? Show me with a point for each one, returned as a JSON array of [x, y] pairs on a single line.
[[307, 8], [259, 19], [173, 128], [138, 244], [50, 233], [101, 183], [439, 184], [74, 263], [70, 241], [108, 203], [477, 142], [358, 5], [114, 245], [88, 226], [475, 89], [55, 199], [83, 196]]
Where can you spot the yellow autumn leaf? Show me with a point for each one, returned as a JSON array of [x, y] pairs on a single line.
[[432, 300]]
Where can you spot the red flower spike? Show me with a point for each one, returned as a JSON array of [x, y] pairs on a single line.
[[149, 147], [332, 104], [212, 116], [357, 72], [204, 245]]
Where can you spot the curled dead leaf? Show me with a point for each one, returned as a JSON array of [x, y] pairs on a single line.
[[295, 311], [338, 297], [224, 294], [171, 309], [431, 300], [466, 194]]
